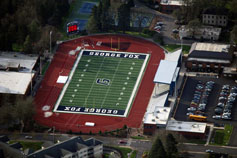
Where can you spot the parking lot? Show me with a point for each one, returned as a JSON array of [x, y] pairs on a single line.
[[191, 92]]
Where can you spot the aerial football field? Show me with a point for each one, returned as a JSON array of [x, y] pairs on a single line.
[[102, 83]]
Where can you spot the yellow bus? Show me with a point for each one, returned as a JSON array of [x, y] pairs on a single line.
[[198, 118]]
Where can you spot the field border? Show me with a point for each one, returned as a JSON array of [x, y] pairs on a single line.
[[132, 95]]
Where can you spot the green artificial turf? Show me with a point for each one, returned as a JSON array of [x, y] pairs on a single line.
[[84, 90]]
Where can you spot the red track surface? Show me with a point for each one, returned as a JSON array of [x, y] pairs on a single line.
[[62, 64]]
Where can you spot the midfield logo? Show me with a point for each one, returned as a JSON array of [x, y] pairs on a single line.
[[103, 81]]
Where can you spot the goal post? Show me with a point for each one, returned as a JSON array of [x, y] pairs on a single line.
[[115, 44]]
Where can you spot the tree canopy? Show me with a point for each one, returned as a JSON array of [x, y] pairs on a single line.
[[22, 21]]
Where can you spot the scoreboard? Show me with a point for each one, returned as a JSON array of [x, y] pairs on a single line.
[[73, 27]]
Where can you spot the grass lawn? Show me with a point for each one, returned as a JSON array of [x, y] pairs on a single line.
[[134, 154], [17, 47], [138, 137], [138, 34], [45, 67], [196, 141], [28, 144], [173, 47], [222, 137], [124, 151]]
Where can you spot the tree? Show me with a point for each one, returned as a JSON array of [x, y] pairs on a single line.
[[233, 35], [157, 149], [171, 148], [131, 3], [91, 25], [193, 25], [28, 45], [24, 111], [123, 17]]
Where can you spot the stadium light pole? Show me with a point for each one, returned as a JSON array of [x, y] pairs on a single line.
[[50, 38], [181, 34]]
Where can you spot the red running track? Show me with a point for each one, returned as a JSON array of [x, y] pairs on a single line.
[[62, 64]]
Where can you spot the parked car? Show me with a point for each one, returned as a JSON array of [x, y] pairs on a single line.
[[160, 23], [209, 151], [216, 117], [175, 31], [122, 142], [189, 113], [218, 111], [191, 109], [28, 137]]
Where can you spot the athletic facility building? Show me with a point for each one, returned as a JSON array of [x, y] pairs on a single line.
[[98, 83], [17, 71], [159, 107]]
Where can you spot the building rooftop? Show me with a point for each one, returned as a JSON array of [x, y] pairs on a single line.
[[64, 148], [215, 11], [210, 52], [213, 47], [180, 126], [156, 112], [15, 82], [15, 59], [174, 56], [172, 2], [161, 75]]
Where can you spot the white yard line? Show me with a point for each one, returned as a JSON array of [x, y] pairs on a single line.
[[67, 83], [95, 78], [136, 85], [112, 83]]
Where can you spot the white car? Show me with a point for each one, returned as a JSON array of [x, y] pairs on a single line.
[[216, 117], [157, 27], [191, 109], [209, 151], [160, 23]]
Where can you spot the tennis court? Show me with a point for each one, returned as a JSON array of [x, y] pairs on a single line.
[[86, 7], [102, 83]]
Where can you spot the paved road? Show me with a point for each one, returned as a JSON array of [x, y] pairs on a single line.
[[194, 151]]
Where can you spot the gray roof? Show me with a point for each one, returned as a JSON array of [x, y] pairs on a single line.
[[4, 138], [215, 11], [16, 145], [61, 149], [210, 55]]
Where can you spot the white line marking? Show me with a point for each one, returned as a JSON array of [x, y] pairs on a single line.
[[112, 82]]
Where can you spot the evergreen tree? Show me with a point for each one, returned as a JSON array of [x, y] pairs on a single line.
[[157, 149], [172, 151], [123, 17], [233, 35], [131, 3]]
